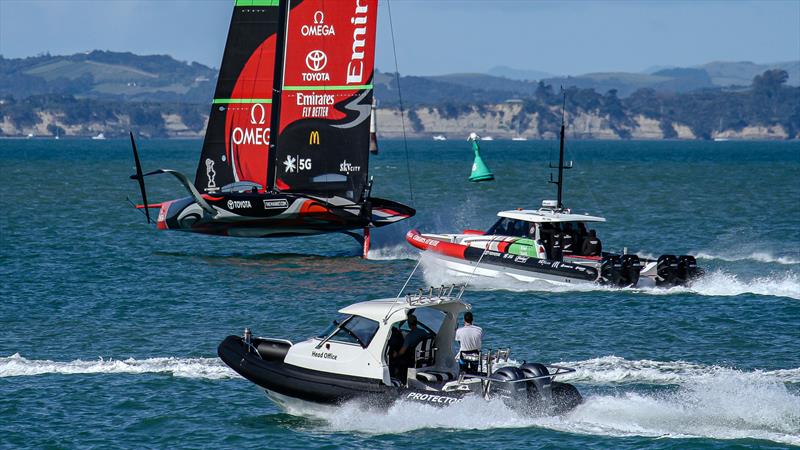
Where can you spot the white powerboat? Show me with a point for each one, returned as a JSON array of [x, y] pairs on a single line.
[[551, 244], [351, 360]]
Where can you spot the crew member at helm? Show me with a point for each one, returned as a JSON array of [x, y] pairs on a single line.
[[591, 245], [470, 337], [405, 356]]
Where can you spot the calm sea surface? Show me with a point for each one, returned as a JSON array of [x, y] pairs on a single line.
[[109, 328]]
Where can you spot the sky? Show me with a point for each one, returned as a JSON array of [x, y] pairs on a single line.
[[440, 36]]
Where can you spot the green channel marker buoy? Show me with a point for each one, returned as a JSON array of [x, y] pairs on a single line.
[[479, 170]]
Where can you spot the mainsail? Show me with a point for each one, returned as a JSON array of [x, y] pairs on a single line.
[[237, 138], [326, 98]]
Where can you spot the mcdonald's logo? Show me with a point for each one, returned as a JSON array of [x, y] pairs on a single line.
[[313, 138]]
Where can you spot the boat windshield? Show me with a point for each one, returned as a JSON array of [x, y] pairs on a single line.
[[429, 319], [351, 330], [512, 227]]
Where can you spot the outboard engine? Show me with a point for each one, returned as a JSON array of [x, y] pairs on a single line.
[[539, 392], [611, 270], [631, 269], [687, 268], [667, 270], [513, 392]]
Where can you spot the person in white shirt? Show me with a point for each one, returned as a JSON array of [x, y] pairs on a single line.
[[470, 338]]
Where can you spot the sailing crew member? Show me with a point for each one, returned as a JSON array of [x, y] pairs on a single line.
[[555, 246], [591, 245], [470, 337], [405, 356], [567, 239]]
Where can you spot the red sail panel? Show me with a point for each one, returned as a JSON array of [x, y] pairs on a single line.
[[247, 122], [237, 137], [326, 96]]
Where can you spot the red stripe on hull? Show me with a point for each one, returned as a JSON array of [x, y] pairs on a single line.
[[445, 248]]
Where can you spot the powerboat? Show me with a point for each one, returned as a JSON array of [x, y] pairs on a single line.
[[521, 246], [350, 360], [551, 244]]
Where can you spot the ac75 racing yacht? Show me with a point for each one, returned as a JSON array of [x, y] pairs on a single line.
[[552, 244], [350, 360]]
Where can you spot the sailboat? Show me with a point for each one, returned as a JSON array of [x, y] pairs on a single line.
[[286, 149]]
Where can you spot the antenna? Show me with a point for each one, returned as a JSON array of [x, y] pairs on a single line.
[[561, 166]]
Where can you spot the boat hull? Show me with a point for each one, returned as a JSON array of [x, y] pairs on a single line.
[[276, 215], [467, 260], [296, 389]]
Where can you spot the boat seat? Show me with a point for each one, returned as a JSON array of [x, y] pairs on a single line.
[[425, 353], [433, 376]]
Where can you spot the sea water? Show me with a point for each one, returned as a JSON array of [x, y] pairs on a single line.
[[109, 328]]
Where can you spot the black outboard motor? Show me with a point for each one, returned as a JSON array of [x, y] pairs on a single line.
[[687, 268], [631, 269], [667, 270], [538, 390], [611, 270], [514, 392]]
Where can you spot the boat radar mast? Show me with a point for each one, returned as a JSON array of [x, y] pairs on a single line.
[[561, 166]]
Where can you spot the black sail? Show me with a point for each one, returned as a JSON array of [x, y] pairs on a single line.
[[236, 146]]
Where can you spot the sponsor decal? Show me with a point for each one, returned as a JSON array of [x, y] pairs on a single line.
[[355, 68], [426, 241], [313, 138], [294, 164], [234, 204], [521, 259], [324, 355], [316, 60], [280, 203], [253, 135], [319, 28], [314, 105], [431, 398], [346, 167], [211, 174]]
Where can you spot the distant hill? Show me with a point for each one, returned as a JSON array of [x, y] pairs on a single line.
[[109, 76], [660, 78], [110, 92], [742, 73], [518, 74]]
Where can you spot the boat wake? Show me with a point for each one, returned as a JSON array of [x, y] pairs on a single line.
[[607, 370], [707, 402], [207, 368], [393, 253], [719, 282], [698, 400], [759, 256]]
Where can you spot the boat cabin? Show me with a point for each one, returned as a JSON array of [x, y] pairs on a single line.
[[543, 224], [357, 342]]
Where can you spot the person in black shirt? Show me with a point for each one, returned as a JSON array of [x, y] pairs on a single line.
[[395, 344], [405, 356], [567, 239], [591, 245]]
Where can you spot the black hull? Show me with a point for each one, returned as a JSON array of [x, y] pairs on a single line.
[[532, 265], [272, 374], [262, 215], [298, 382]]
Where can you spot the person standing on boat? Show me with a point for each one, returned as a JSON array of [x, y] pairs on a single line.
[[470, 338], [592, 245], [567, 239], [405, 356]]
